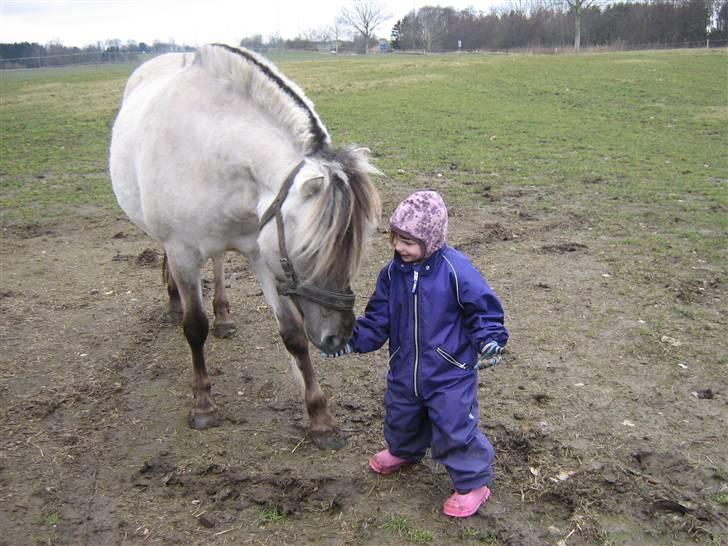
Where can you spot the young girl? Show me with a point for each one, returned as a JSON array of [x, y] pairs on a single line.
[[443, 322]]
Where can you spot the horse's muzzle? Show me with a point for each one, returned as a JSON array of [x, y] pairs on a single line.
[[333, 344]]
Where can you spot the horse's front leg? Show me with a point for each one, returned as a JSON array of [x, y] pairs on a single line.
[[224, 326], [323, 429], [185, 270]]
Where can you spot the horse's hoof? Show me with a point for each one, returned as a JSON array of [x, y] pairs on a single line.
[[201, 420], [223, 329], [327, 439]]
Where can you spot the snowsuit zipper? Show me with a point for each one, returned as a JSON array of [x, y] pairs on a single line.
[[416, 334]]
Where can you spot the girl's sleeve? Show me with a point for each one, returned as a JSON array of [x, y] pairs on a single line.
[[484, 317], [372, 329]]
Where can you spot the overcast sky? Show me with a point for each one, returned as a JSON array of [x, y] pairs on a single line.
[[192, 22]]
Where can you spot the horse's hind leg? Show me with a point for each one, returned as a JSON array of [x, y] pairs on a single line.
[[174, 308], [224, 326], [185, 270]]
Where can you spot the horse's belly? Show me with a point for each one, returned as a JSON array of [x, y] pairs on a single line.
[[123, 179]]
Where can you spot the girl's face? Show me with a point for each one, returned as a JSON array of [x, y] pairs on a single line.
[[409, 249]]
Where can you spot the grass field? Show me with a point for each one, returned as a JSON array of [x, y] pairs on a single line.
[[603, 130], [591, 190]]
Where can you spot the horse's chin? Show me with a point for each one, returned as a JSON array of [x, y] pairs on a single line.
[[322, 345], [310, 339]]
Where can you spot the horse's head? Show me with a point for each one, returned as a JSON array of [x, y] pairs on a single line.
[[323, 218]]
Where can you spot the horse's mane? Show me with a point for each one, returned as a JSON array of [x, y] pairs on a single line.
[[332, 235], [253, 76]]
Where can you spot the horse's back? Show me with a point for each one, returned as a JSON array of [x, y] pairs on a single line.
[[157, 70], [197, 141], [168, 174], [127, 140]]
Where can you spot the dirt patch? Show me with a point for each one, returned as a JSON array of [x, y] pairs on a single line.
[[561, 248], [26, 231], [605, 433]]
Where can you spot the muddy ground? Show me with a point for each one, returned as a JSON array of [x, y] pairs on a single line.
[[608, 428]]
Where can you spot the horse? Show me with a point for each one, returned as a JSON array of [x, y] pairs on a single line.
[[217, 150]]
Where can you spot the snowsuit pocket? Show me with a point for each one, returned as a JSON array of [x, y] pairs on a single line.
[[451, 359]]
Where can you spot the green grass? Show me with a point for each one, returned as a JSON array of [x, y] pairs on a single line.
[[612, 134], [269, 515], [482, 538], [54, 139], [402, 528], [637, 141], [720, 498]]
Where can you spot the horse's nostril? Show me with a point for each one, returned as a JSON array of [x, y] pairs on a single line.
[[332, 343]]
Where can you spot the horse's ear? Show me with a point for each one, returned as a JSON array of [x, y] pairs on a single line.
[[362, 154], [312, 186]]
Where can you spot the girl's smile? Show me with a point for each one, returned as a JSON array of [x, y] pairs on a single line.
[[409, 249]]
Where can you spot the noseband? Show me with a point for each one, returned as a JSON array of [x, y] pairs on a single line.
[[340, 301]]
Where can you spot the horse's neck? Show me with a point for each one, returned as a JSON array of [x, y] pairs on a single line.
[[271, 174]]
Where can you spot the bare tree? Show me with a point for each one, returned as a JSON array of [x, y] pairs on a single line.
[[521, 7], [433, 24], [578, 7], [320, 34], [410, 33], [720, 18], [364, 16], [337, 32]]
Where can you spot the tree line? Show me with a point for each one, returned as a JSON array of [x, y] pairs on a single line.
[[656, 23], [532, 24]]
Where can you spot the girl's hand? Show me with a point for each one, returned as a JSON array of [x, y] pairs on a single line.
[[341, 352], [490, 355]]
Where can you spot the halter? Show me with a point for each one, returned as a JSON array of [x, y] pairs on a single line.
[[340, 301]]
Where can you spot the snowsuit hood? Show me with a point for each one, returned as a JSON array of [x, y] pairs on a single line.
[[422, 216]]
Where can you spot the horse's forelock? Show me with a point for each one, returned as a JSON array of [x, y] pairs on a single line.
[[337, 221]]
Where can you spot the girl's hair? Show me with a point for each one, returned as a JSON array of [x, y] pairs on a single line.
[[393, 232]]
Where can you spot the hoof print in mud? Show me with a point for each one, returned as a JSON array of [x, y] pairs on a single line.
[[327, 439]]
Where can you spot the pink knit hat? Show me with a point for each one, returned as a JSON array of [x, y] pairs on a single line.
[[422, 216]]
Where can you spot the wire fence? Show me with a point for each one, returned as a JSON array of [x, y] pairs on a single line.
[[66, 59], [105, 57]]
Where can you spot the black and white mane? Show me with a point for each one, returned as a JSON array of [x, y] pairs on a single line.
[[255, 77]]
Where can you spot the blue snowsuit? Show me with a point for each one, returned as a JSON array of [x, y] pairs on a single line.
[[437, 315]]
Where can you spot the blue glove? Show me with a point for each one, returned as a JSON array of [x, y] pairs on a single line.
[[345, 350], [489, 355]]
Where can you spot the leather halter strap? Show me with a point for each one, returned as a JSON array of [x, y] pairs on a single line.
[[340, 301]]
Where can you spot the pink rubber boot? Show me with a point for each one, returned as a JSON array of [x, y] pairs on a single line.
[[385, 463], [462, 505]]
